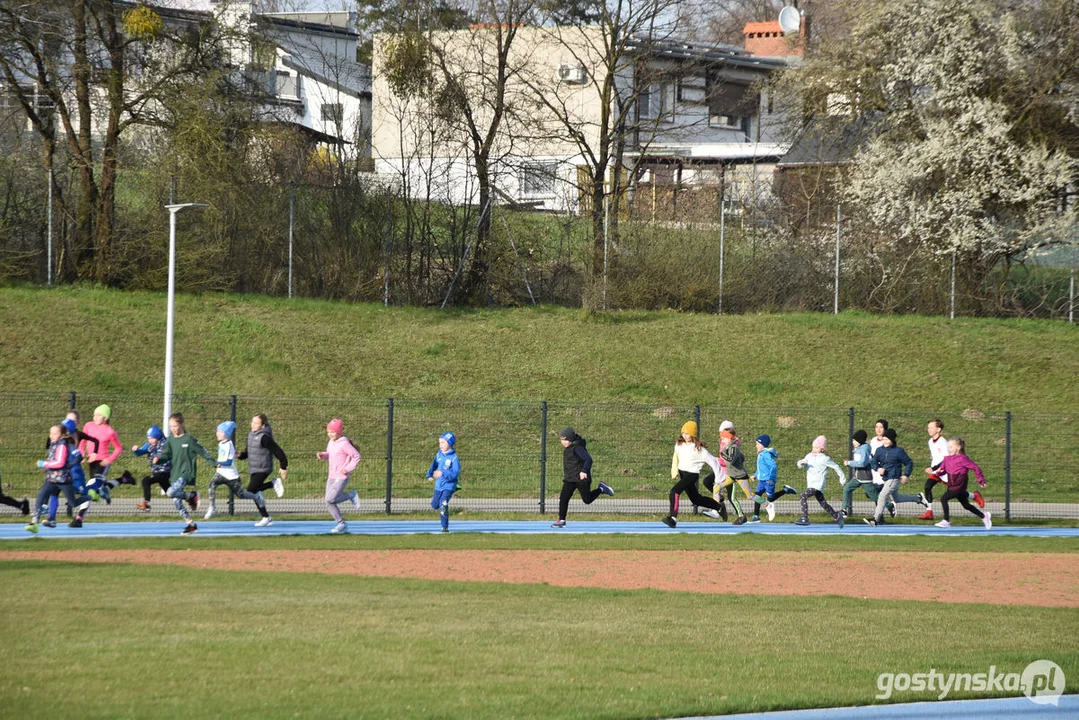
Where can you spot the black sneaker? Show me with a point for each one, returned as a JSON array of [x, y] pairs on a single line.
[[76, 523], [670, 521], [723, 511], [891, 510], [25, 507], [740, 520], [191, 529], [127, 478]]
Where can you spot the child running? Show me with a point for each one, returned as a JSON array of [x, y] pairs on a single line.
[[817, 463], [894, 467], [767, 472], [861, 475], [957, 466], [22, 506], [690, 455], [57, 479], [444, 470], [183, 450], [159, 471], [260, 453], [227, 475], [576, 474], [78, 477], [100, 446], [343, 458], [938, 450], [730, 452]]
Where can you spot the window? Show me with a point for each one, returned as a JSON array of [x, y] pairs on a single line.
[[656, 102], [728, 103], [333, 112], [538, 178]]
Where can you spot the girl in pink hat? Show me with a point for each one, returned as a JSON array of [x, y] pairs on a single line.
[[343, 457], [817, 464]]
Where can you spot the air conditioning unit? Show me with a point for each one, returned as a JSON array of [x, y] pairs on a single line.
[[572, 74]]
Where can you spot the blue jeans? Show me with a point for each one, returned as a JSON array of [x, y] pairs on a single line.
[[441, 501]]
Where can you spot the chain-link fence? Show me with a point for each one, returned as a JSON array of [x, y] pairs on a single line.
[[512, 460]]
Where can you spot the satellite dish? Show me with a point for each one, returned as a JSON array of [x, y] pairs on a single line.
[[790, 20]]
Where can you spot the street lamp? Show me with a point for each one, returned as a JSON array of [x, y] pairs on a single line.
[[170, 321]]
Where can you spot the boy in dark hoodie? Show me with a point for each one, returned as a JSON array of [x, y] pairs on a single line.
[[576, 474]]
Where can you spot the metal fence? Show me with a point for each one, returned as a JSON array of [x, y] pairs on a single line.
[[511, 457]]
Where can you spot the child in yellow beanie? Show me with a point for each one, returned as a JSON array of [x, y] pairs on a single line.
[[690, 455]]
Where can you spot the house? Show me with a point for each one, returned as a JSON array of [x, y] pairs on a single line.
[[695, 114]]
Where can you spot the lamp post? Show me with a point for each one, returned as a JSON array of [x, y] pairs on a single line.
[[170, 318]]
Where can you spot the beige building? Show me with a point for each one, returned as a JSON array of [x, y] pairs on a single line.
[[688, 112]]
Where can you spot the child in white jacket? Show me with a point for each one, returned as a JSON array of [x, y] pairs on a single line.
[[817, 463]]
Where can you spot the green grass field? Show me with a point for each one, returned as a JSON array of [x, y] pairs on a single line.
[[625, 380], [109, 641]]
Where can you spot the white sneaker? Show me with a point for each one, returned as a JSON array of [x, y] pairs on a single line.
[[210, 513], [264, 522], [987, 521], [944, 524], [355, 498], [714, 514], [279, 487], [771, 508], [339, 529]]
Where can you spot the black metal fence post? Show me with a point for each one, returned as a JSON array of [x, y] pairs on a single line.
[[71, 400], [1007, 466], [850, 434], [697, 419], [543, 458], [389, 453]]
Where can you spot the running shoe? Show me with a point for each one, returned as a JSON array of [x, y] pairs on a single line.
[[127, 478], [94, 495], [106, 494], [558, 524], [144, 506], [977, 498], [803, 521], [709, 512], [76, 523], [279, 487], [191, 529], [771, 510], [987, 521], [839, 519], [340, 528], [210, 513], [606, 489], [25, 507], [788, 490], [755, 519], [49, 523], [264, 522], [927, 515], [722, 511], [943, 524], [891, 509], [925, 503], [31, 528], [870, 521], [445, 530], [355, 498], [740, 520], [668, 521]]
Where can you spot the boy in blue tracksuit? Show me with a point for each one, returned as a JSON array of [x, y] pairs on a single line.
[[445, 470], [895, 467], [767, 471]]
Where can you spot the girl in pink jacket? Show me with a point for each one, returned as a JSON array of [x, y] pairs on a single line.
[[344, 458], [100, 446]]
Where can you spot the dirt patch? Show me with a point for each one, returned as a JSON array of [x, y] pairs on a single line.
[[1048, 580]]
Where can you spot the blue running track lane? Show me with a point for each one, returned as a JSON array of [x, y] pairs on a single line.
[[1016, 708], [245, 528]]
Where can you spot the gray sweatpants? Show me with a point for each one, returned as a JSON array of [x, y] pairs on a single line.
[[237, 489], [889, 492], [335, 493]]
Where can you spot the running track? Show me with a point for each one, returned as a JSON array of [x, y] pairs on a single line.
[[245, 528]]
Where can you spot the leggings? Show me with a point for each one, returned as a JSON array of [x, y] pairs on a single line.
[[961, 496], [161, 479], [8, 500], [811, 492], [687, 483], [258, 482], [335, 493], [588, 494], [933, 480], [179, 496], [237, 490]]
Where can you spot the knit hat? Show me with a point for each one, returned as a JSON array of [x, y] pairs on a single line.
[[335, 426], [228, 427], [103, 410], [726, 425], [820, 443], [449, 437], [891, 435], [860, 436], [70, 425], [764, 440], [690, 428], [155, 433], [568, 433]]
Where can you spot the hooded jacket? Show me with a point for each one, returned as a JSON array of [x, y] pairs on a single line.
[[343, 457], [576, 460], [767, 466], [450, 466]]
